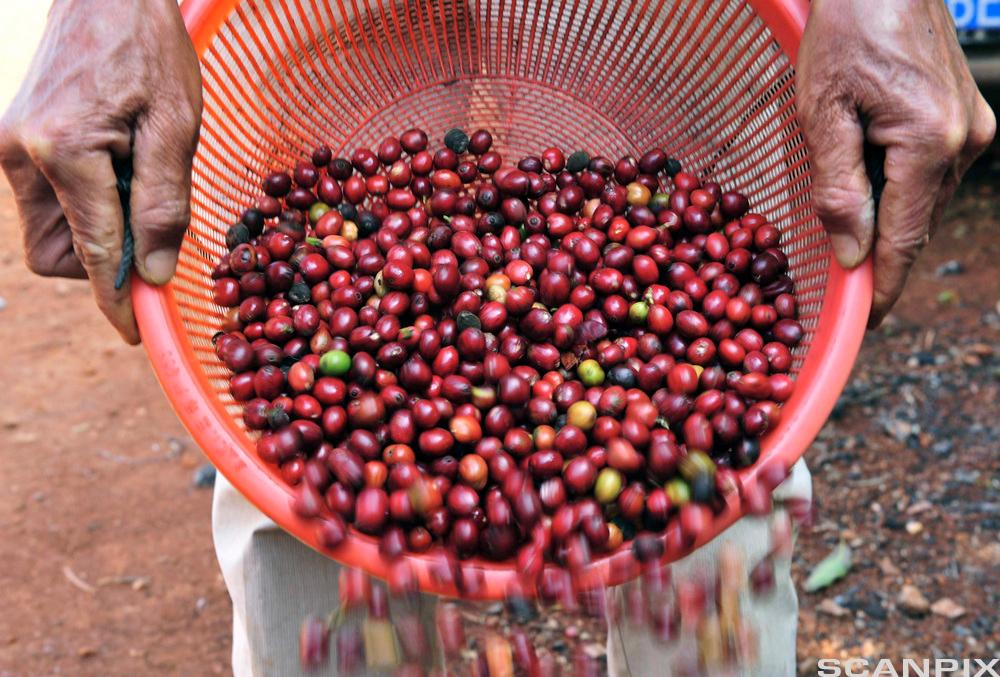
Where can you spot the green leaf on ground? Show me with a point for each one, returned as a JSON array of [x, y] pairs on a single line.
[[833, 567], [947, 297]]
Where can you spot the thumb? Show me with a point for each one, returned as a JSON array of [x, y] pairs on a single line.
[[162, 152], [841, 190]]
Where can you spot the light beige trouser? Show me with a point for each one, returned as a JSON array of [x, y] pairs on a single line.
[[275, 581]]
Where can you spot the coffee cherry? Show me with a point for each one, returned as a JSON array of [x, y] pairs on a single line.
[[439, 345]]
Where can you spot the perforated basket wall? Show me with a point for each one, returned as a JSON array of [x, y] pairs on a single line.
[[711, 82]]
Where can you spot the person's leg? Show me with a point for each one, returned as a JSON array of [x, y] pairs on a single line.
[[234, 523], [275, 582], [633, 650]]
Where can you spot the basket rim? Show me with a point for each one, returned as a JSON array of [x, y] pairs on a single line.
[[838, 337]]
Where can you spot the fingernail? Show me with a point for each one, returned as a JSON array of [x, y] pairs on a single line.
[[847, 249], [160, 266]]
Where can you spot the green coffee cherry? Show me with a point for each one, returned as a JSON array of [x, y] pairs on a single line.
[[678, 492], [608, 485], [637, 312], [590, 373], [335, 363], [317, 211]]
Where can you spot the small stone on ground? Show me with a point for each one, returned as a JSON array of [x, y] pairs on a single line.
[[204, 476], [912, 601], [948, 608], [831, 608], [888, 568], [952, 267]]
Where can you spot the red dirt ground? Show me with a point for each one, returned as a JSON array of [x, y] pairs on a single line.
[[97, 480]]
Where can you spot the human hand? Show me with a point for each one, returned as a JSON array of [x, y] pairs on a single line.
[[108, 80], [892, 72]]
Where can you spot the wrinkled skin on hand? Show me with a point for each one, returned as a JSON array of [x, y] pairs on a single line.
[[890, 71], [109, 79]]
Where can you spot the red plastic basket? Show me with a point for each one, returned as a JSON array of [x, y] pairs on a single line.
[[710, 81]]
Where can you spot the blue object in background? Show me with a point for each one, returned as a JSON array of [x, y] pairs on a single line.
[[975, 14]]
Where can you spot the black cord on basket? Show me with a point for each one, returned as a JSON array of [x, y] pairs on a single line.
[[875, 165], [123, 172]]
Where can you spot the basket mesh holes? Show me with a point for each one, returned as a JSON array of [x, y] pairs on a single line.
[[703, 79]]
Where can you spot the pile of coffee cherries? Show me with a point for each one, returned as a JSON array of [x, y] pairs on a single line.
[[543, 359]]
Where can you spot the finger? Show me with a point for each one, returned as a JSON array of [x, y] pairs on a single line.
[[841, 191], [163, 150], [912, 195], [48, 241], [948, 188], [48, 246], [982, 129], [85, 185]]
